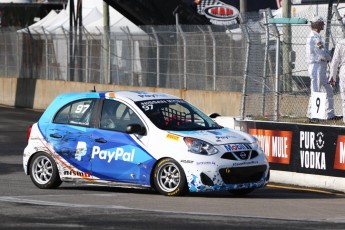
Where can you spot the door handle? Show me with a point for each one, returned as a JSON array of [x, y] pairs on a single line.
[[54, 135], [101, 140]]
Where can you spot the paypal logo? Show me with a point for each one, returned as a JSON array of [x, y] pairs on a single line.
[[80, 150], [118, 154]]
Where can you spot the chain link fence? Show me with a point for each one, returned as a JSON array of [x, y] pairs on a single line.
[[255, 58], [277, 85]]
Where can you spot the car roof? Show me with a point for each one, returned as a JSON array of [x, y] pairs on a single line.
[[125, 95], [138, 95], [134, 96]]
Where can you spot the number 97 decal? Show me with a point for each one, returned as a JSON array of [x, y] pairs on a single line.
[[82, 108]]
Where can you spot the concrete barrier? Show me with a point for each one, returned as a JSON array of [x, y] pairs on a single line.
[[37, 94], [320, 163]]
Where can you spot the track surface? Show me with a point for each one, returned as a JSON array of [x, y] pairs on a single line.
[[22, 205]]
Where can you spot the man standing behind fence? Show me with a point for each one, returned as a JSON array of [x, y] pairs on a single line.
[[317, 59], [338, 63]]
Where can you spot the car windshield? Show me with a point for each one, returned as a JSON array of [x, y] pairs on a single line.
[[176, 114]]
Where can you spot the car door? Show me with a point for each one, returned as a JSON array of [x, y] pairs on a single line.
[[116, 155], [70, 136]]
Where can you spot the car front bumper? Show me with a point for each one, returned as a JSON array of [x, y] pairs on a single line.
[[228, 178]]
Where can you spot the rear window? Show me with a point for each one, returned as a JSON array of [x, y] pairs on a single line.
[[75, 113]]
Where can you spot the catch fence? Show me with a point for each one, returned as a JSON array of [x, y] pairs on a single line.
[[263, 61]]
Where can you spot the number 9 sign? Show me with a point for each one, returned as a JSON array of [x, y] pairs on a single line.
[[318, 105]]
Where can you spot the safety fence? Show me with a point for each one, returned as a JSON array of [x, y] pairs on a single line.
[[263, 61]]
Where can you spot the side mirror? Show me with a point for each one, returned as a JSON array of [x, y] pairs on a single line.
[[214, 115], [135, 129]]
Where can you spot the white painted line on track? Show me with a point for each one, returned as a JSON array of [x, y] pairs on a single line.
[[60, 204], [50, 203]]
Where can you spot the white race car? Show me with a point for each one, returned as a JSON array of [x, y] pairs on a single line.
[[140, 139]]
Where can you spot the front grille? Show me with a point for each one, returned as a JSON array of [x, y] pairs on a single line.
[[240, 155], [243, 174]]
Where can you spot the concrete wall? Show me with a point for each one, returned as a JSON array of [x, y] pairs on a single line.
[[37, 94]]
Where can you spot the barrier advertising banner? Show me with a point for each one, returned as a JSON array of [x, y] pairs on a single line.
[[310, 149]]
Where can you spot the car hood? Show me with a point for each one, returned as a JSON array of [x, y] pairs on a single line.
[[217, 136]]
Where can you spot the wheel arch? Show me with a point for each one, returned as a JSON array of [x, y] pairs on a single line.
[[43, 170], [157, 163], [152, 184], [32, 156]]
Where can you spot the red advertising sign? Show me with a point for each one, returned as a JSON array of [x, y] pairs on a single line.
[[339, 159], [275, 143]]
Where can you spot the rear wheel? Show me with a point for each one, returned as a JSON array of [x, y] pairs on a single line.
[[241, 192], [169, 178], [43, 171]]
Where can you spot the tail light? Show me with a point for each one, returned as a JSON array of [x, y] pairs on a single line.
[[29, 132]]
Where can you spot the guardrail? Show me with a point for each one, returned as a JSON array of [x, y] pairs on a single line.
[[310, 155]]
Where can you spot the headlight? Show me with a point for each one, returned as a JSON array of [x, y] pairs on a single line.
[[200, 147], [256, 144]]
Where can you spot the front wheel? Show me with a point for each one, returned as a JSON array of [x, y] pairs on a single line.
[[43, 171], [169, 178]]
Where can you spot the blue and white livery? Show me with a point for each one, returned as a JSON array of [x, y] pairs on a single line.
[[140, 139]]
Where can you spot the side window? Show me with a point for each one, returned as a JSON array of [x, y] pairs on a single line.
[[108, 118], [75, 113], [116, 116], [62, 116]]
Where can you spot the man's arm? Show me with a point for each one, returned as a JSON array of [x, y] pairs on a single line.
[[322, 52]]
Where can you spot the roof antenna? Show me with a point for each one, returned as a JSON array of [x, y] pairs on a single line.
[[94, 89]]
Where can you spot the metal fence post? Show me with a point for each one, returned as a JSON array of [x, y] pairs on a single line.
[[87, 55], [264, 80], [276, 109], [17, 57], [66, 34], [157, 57], [127, 31], [184, 58], [116, 60], [213, 57], [245, 75], [31, 52], [276, 87], [205, 54], [106, 52], [47, 51], [6, 61]]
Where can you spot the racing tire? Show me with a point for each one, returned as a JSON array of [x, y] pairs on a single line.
[[241, 192], [43, 171], [169, 178]]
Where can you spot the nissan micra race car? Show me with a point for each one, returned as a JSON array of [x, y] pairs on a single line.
[[140, 139]]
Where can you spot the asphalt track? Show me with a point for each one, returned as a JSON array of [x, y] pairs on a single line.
[[23, 206]]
